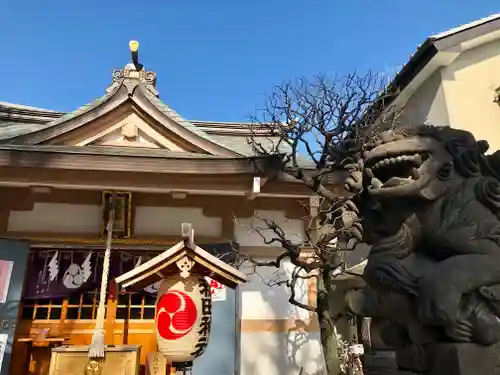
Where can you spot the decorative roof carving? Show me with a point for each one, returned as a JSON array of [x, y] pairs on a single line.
[[133, 74], [130, 132], [187, 257]]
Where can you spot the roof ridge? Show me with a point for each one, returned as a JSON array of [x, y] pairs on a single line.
[[27, 108], [465, 26], [228, 123], [174, 115], [69, 115]]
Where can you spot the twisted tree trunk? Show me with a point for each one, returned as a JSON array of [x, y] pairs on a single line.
[[327, 323]]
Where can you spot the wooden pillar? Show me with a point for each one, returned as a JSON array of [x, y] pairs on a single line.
[[109, 325], [312, 225]]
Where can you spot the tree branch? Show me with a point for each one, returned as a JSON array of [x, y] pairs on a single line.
[[319, 127]]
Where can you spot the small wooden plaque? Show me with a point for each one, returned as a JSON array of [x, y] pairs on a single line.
[[73, 360], [122, 225], [156, 364]]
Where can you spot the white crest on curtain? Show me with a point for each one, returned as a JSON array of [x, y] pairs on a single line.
[[76, 275], [153, 288], [87, 268], [54, 267]]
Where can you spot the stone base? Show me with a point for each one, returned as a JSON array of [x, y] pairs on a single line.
[[462, 359]]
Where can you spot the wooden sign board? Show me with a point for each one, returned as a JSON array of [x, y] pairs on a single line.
[[217, 289], [73, 360], [122, 225]]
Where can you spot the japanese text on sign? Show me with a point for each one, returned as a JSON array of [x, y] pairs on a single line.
[[206, 316], [218, 290]]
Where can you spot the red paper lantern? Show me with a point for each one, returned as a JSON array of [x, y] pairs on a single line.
[[183, 317]]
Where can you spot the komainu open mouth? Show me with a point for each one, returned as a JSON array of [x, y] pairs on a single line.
[[395, 170]]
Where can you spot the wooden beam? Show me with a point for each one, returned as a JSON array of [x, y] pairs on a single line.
[[313, 224], [179, 195], [257, 184]]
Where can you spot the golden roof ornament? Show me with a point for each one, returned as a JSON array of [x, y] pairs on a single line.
[[133, 73], [134, 48]]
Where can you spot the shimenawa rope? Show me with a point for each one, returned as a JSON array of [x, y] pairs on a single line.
[[97, 347]]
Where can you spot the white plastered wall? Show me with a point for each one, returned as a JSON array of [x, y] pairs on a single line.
[[271, 352], [246, 234], [168, 220], [469, 87], [57, 218], [82, 218]]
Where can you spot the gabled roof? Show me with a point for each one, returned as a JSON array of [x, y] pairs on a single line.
[[33, 133], [163, 265], [16, 119], [140, 93], [440, 50], [232, 135], [34, 126]]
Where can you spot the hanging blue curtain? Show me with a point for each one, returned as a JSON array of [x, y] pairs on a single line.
[[59, 273]]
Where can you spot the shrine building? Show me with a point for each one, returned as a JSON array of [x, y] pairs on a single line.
[[58, 173]]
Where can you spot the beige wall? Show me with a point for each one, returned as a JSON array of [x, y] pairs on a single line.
[[461, 95], [285, 353], [277, 338], [427, 105], [469, 84]]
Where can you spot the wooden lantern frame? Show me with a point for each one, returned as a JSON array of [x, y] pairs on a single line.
[[163, 265]]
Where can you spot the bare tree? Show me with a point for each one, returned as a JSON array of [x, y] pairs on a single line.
[[319, 127]]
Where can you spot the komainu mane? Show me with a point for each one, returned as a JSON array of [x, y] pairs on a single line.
[[429, 203]]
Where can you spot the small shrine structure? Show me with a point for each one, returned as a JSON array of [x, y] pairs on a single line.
[[184, 299]]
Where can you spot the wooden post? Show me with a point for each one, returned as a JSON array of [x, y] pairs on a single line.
[[187, 233], [313, 223], [109, 325]]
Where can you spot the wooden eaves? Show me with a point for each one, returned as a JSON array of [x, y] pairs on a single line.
[[163, 265]]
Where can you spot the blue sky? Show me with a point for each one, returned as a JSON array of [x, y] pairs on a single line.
[[216, 59]]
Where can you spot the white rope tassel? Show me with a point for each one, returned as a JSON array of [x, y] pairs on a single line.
[[97, 347]]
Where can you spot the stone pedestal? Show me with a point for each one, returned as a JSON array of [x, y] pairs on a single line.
[[462, 359]]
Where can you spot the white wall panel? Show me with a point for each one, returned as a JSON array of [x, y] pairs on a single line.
[[268, 353], [246, 235], [57, 218], [167, 221], [259, 300]]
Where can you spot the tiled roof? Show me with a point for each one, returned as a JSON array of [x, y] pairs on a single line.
[[426, 51], [26, 107], [243, 146], [13, 129], [240, 145], [23, 126], [209, 130], [466, 26], [83, 109], [16, 119], [113, 151], [160, 105]]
